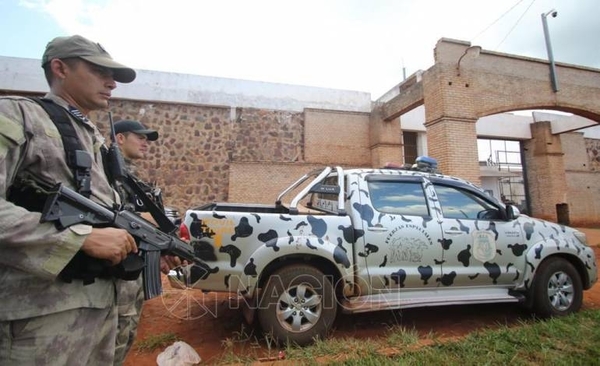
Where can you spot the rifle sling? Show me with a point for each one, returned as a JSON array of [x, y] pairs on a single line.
[[164, 224], [71, 143]]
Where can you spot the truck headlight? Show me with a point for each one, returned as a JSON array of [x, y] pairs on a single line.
[[581, 237]]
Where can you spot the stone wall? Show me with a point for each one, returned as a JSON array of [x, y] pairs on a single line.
[[592, 147], [212, 153], [191, 160], [259, 135]]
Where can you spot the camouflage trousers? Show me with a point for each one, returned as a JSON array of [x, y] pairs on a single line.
[[130, 298], [82, 336]]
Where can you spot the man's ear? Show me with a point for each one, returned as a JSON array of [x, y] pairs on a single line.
[[121, 138], [59, 68]]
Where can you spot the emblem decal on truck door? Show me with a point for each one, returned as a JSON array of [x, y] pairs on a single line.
[[407, 243], [484, 246]]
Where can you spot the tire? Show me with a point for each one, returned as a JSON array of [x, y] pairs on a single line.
[[298, 305], [557, 289]]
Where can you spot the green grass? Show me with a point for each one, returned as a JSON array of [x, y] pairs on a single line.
[[572, 340], [156, 341]]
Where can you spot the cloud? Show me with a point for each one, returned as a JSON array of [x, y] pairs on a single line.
[[345, 44]]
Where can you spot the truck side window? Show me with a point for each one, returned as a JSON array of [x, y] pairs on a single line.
[[462, 204], [400, 198]]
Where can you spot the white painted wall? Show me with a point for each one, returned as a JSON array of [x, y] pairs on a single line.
[[509, 126], [21, 74], [491, 183]]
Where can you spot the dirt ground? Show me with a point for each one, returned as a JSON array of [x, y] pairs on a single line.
[[211, 324]]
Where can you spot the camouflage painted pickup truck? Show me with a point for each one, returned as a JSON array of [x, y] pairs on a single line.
[[362, 240]]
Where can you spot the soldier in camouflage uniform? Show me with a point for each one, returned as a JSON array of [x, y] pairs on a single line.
[[43, 319], [132, 138]]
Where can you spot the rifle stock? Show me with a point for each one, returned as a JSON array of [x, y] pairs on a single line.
[[66, 207]]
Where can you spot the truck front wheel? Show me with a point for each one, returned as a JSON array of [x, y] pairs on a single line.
[[298, 305], [557, 289]]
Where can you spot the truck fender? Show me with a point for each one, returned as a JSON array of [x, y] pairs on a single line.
[[543, 250], [303, 246]]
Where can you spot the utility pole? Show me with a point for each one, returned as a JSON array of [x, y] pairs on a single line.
[[549, 48]]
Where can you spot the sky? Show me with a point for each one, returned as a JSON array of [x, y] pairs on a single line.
[[362, 45]]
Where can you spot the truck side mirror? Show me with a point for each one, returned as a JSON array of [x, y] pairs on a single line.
[[512, 212]]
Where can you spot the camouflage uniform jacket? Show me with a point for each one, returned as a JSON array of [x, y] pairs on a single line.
[[128, 197], [33, 254]]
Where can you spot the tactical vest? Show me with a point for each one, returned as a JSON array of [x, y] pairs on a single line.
[[33, 198]]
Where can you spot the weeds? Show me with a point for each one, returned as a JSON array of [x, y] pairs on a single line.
[[571, 340], [241, 348], [153, 342]]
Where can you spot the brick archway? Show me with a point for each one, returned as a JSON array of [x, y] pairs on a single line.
[[467, 83]]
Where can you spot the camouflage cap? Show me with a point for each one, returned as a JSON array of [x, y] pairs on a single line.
[[78, 46]]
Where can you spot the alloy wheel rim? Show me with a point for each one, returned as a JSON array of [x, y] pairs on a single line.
[[299, 308], [560, 291]]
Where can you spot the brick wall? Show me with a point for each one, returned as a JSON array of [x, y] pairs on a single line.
[[454, 144], [262, 182], [560, 169], [333, 137], [545, 170], [211, 153], [583, 185]]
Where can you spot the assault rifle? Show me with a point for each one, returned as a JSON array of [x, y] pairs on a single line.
[[66, 207]]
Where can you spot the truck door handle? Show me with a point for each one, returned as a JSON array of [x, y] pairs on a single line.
[[453, 232], [377, 228]]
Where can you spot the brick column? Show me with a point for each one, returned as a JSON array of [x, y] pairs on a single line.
[[453, 142], [545, 171], [385, 140]]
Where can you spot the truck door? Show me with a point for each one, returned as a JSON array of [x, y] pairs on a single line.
[[399, 246], [480, 247]]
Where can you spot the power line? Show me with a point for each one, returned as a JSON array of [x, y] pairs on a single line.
[[496, 21], [513, 27]]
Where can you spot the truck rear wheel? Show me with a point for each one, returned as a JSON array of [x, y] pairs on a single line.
[[557, 289], [298, 305]]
